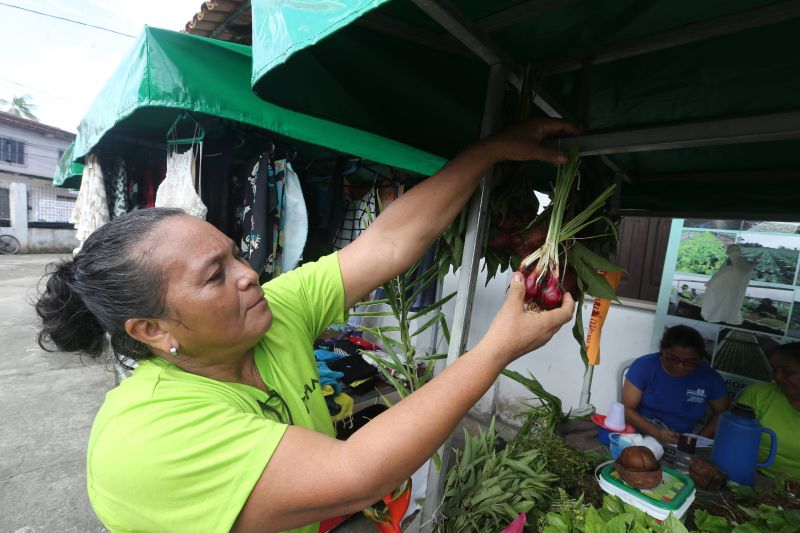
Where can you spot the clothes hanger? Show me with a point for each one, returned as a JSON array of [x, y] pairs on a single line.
[[172, 133], [198, 135]]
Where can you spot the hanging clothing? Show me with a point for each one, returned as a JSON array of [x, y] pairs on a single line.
[[144, 177], [358, 215], [177, 189], [119, 186], [725, 291], [91, 206], [260, 216], [326, 211], [133, 188], [218, 163], [295, 217]]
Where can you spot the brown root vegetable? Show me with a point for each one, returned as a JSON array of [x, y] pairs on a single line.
[[639, 480], [705, 474], [526, 214], [507, 224], [500, 240], [569, 282], [638, 467], [533, 238], [638, 459], [526, 241]]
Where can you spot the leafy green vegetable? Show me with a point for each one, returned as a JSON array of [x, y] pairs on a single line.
[[708, 523], [615, 516], [549, 412], [486, 489]]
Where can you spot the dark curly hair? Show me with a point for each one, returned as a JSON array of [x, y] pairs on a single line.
[[791, 349], [110, 280], [685, 337]]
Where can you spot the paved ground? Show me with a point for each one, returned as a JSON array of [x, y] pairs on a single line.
[[47, 405]]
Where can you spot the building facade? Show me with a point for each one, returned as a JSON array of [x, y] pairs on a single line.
[[31, 209]]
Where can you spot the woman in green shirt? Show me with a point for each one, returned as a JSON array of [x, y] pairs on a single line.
[[777, 407], [223, 425]]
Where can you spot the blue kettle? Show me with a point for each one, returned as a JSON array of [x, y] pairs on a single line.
[[736, 444]]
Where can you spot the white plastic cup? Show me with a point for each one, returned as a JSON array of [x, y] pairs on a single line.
[[615, 419]]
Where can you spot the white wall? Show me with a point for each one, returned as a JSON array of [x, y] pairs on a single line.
[[33, 240], [626, 335], [46, 240]]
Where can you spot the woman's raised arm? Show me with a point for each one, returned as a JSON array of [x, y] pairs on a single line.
[[400, 235], [311, 476]]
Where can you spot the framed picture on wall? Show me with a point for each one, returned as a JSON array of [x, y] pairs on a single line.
[[769, 312]]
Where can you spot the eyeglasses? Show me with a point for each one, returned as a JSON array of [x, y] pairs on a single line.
[[281, 412], [674, 360]]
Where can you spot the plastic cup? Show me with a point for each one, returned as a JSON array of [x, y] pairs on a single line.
[[617, 443], [615, 419]]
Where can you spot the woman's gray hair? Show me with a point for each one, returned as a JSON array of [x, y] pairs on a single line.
[[110, 280]]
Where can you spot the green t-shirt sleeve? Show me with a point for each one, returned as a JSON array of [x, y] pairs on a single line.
[[750, 396], [190, 464], [312, 295]]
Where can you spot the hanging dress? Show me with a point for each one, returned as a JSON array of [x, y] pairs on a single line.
[[119, 187], [91, 206], [177, 189], [259, 214]]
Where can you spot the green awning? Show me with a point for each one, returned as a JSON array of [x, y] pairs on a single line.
[[287, 28], [68, 172], [398, 74], [168, 71]]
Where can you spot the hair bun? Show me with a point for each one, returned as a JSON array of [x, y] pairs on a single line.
[[67, 324]]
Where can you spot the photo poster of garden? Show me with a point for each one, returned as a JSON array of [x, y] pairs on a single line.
[[770, 310]]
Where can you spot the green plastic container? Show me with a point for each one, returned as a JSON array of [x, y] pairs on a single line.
[[674, 495]]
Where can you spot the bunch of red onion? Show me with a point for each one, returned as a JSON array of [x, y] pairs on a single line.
[[542, 269]]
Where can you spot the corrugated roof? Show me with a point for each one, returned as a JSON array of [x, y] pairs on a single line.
[[226, 20], [32, 125]]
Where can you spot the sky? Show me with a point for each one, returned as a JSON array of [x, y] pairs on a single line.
[[63, 65]]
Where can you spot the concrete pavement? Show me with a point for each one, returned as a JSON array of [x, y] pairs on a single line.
[[47, 404]]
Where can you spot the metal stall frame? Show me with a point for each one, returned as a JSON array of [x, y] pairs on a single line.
[[476, 226], [504, 70]]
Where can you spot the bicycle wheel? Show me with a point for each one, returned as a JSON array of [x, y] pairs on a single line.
[[8, 244]]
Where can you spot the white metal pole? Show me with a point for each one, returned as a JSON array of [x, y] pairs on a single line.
[[476, 225]]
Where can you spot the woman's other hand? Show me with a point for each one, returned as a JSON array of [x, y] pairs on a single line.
[[523, 142], [515, 332], [666, 436]]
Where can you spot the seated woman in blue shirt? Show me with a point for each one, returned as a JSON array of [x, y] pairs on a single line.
[[667, 393]]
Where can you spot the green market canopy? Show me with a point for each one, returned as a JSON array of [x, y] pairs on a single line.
[[68, 172], [717, 82], [167, 72]]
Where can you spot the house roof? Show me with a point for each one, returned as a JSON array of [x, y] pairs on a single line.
[[226, 20], [32, 125]]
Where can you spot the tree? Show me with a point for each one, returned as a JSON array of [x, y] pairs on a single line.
[[20, 106]]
